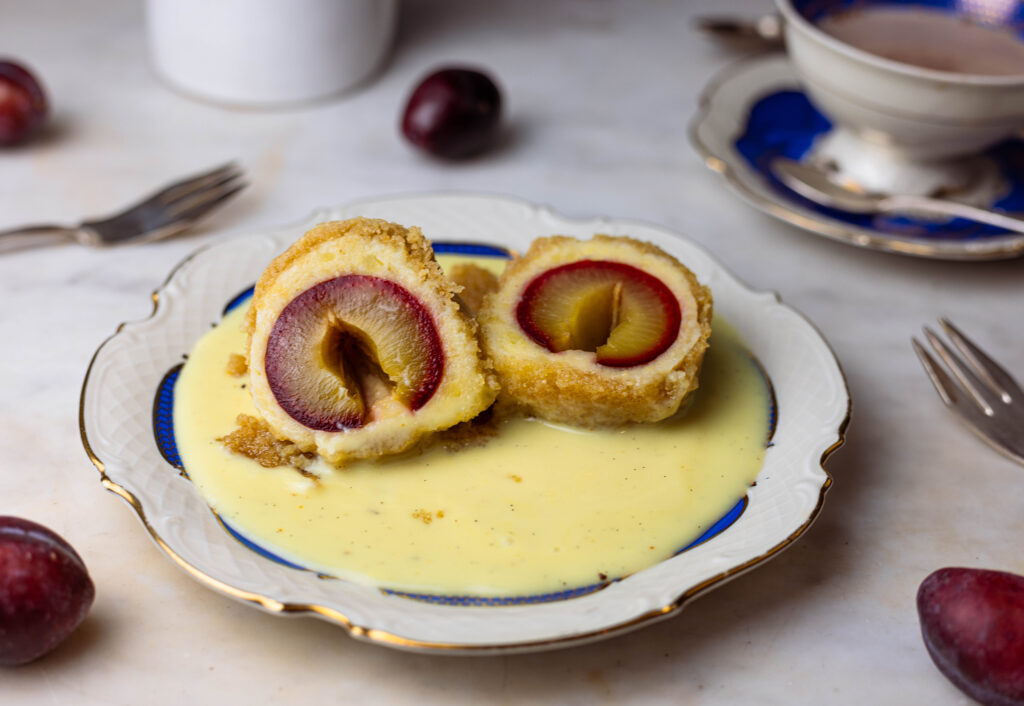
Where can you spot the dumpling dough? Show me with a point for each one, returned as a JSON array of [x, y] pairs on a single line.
[[569, 385], [357, 347]]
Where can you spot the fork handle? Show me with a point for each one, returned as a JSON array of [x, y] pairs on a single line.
[[24, 237]]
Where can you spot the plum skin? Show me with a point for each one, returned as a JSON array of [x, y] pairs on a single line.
[[45, 590], [972, 622], [453, 113], [317, 301], [23, 104]]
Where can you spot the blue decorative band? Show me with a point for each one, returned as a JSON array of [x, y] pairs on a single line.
[[238, 300], [785, 124], [721, 525], [163, 429], [255, 547], [473, 249], [495, 601], [1003, 13], [163, 418]]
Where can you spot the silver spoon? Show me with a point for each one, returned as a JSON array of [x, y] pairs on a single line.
[[815, 184], [765, 30]]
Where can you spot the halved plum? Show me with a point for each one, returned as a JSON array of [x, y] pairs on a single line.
[[624, 315], [357, 347], [347, 343], [600, 332]]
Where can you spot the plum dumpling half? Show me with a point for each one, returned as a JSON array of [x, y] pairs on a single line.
[[601, 332], [357, 345]]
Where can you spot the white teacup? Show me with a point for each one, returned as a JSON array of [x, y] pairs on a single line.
[[901, 127]]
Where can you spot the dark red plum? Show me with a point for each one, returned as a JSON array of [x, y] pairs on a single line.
[[972, 621], [453, 113], [23, 106], [45, 590]]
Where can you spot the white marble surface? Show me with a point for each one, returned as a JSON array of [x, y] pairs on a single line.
[[598, 97]]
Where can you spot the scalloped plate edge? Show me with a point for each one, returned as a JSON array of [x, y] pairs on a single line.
[[392, 639]]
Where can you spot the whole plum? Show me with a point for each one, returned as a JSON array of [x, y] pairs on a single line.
[[23, 106], [972, 621], [45, 590], [453, 113]]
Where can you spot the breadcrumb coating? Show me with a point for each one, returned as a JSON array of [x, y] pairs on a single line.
[[475, 283], [402, 256], [408, 244], [238, 365], [254, 439], [570, 387]]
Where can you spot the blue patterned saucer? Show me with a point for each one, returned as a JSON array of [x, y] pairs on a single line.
[[756, 112]]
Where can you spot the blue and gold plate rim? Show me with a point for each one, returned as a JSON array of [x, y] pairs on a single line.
[[423, 626]]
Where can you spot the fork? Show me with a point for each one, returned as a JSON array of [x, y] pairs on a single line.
[[979, 391], [167, 212]]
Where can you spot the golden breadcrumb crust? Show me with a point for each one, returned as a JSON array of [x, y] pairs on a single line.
[[409, 241], [571, 387], [237, 365], [475, 283], [254, 439], [403, 256]]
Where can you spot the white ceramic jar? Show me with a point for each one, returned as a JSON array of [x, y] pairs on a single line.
[[266, 53]]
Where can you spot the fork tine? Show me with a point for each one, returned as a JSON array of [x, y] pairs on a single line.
[[1000, 429], [988, 370], [944, 384], [170, 225], [968, 380], [990, 428], [200, 196], [189, 184], [198, 183], [158, 199], [201, 204]]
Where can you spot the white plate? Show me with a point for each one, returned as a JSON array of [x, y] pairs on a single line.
[[117, 425]]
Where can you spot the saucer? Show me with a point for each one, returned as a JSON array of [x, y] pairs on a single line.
[[756, 111]]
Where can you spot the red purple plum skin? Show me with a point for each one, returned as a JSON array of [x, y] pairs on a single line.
[[453, 113], [23, 105], [972, 621], [366, 300], [45, 590]]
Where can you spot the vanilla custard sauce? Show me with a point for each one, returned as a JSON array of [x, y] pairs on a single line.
[[537, 509]]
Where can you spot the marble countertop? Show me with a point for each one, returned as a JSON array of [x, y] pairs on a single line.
[[599, 95]]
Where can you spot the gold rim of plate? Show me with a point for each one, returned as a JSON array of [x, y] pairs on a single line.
[[394, 640]]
